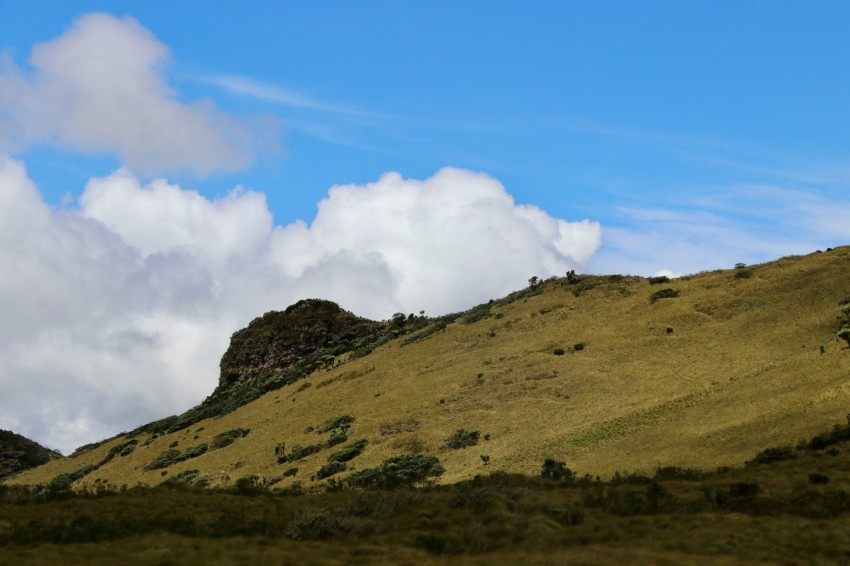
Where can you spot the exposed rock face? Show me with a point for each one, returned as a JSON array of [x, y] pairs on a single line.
[[307, 335], [278, 349], [19, 453]]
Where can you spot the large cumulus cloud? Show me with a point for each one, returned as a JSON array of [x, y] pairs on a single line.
[[101, 87], [117, 310]]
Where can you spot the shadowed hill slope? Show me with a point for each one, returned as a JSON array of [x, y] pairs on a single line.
[[607, 373], [18, 453]]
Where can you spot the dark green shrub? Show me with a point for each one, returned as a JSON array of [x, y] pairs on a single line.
[[556, 470], [373, 505], [249, 485], [399, 471], [658, 280], [774, 455], [839, 433], [743, 273], [439, 327], [122, 449], [744, 489], [578, 346], [191, 477], [844, 334], [559, 351], [631, 478], [664, 294], [461, 439], [59, 486], [164, 460], [349, 452], [331, 468], [319, 524], [470, 495], [835, 502], [677, 473], [818, 478], [193, 452], [569, 517], [337, 436], [342, 423], [432, 543], [229, 437], [298, 452], [173, 456]]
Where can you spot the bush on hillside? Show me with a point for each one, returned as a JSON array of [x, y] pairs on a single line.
[[229, 437], [556, 470], [664, 294], [844, 334], [461, 439], [405, 470], [173, 456], [776, 454], [349, 451], [342, 422]]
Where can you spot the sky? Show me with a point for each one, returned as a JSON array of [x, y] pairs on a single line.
[[171, 170]]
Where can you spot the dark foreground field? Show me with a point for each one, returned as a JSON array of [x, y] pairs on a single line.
[[793, 509]]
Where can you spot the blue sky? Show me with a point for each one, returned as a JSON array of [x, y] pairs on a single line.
[[581, 108], [174, 155]]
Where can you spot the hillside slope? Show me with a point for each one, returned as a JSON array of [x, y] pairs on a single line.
[[18, 453], [607, 373]]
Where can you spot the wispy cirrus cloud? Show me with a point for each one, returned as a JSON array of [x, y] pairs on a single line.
[[276, 94], [736, 223]]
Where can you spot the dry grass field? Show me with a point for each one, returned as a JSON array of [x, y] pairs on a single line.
[[740, 360]]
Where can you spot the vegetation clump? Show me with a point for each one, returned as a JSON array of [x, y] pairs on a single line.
[[297, 453], [844, 319], [461, 438], [556, 470], [349, 452], [839, 433], [664, 294], [174, 456], [228, 437], [342, 422], [191, 477], [776, 454], [405, 470]]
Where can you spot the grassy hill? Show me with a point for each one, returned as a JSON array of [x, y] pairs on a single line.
[[608, 374]]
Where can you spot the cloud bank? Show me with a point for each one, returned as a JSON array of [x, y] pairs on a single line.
[[118, 309], [101, 87]]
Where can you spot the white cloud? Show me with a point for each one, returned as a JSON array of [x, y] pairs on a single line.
[[117, 310], [102, 87]]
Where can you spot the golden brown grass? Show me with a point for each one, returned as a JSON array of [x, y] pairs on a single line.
[[741, 370]]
